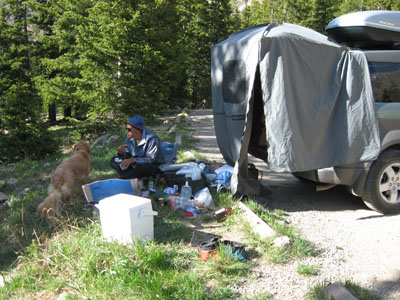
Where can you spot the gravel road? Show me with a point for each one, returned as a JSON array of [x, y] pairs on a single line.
[[354, 243]]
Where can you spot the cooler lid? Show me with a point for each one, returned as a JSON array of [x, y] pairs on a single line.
[[123, 201]]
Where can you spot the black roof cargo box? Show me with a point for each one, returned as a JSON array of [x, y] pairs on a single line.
[[367, 30]]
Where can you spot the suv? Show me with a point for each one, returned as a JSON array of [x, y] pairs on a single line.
[[377, 182]]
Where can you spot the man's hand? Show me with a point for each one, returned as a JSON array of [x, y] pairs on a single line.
[[126, 163], [121, 149]]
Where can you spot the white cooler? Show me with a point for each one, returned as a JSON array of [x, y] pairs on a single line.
[[125, 218]]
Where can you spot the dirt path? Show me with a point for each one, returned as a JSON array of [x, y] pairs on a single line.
[[354, 243]]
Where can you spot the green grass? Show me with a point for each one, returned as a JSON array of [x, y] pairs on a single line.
[[69, 255], [80, 262], [297, 248], [260, 296], [308, 270]]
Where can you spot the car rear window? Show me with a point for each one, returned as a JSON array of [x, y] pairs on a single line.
[[385, 80]]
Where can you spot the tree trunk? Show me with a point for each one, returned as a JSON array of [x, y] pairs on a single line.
[[67, 112], [52, 112]]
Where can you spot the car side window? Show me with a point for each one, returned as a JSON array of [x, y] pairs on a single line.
[[234, 84], [385, 80]]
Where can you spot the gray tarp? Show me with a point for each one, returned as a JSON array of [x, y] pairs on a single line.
[[318, 104]]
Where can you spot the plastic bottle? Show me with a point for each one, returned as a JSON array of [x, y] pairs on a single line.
[[221, 214], [186, 191]]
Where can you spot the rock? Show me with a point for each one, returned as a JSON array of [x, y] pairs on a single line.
[[338, 292], [113, 139], [3, 197], [256, 223], [183, 114], [46, 165], [189, 155], [62, 296], [24, 192], [100, 141], [12, 181], [281, 241]]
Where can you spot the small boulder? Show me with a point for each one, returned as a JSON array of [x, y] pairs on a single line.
[[338, 292], [24, 192], [189, 155], [113, 139], [12, 181], [281, 241], [46, 165], [3, 197], [100, 141]]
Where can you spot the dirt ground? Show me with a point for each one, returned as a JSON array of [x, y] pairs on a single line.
[[354, 242]]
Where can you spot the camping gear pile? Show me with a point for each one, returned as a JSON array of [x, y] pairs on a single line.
[[189, 184], [125, 206]]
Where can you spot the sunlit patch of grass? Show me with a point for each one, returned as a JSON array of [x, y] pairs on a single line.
[[260, 296], [308, 270]]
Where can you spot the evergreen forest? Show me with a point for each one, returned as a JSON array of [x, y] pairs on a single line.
[[91, 60]]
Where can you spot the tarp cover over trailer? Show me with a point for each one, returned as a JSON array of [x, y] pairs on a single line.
[[317, 100]]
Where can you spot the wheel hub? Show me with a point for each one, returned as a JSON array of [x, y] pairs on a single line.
[[389, 185]]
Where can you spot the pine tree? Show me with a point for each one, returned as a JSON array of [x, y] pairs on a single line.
[[22, 132]]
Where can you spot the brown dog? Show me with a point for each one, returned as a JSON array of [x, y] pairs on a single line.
[[70, 174]]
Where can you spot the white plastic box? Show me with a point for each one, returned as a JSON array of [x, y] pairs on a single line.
[[125, 218]]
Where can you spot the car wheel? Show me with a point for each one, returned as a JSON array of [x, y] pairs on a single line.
[[382, 187]]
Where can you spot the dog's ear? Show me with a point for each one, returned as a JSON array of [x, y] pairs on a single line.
[[87, 146], [81, 145]]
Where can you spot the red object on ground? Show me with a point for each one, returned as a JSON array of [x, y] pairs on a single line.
[[205, 254]]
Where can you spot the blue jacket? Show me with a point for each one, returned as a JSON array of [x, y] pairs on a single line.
[[148, 150]]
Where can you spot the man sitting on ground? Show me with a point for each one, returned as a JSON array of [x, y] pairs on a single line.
[[141, 154]]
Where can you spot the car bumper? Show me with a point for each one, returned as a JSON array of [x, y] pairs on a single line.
[[350, 175]]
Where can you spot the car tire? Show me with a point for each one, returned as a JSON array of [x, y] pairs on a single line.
[[382, 187]]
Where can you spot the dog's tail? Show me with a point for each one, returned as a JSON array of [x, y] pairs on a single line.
[[51, 205]]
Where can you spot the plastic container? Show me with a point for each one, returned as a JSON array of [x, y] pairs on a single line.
[[186, 191], [125, 218], [196, 173], [179, 202], [221, 214]]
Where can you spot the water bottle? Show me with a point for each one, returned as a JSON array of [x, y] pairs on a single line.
[[186, 191]]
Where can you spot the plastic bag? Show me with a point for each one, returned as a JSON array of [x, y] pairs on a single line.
[[192, 170], [223, 178], [204, 196], [171, 190]]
